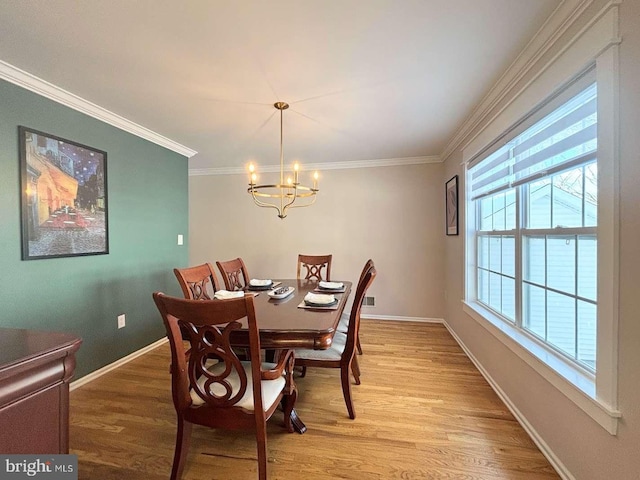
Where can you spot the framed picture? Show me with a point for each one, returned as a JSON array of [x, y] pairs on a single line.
[[64, 197], [451, 202]]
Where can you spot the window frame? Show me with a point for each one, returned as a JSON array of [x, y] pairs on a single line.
[[595, 394]]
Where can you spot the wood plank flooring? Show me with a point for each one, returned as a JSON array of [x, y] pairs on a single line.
[[423, 412]]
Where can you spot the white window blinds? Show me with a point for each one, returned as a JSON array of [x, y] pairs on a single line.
[[561, 140]]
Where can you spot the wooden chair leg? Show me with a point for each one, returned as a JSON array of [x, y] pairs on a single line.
[[261, 440], [355, 369], [358, 346], [346, 390], [183, 439], [288, 404], [303, 371]]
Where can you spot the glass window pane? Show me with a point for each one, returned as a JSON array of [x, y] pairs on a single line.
[[483, 286], [587, 333], [509, 298], [561, 326], [539, 204], [510, 219], [483, 251], [509, 256], [534, 259], [486, 213], [591, 195], [495, 291], [495, 254], [534, 308], [499, 211], [561, 263], [587, 267], [567, 199]]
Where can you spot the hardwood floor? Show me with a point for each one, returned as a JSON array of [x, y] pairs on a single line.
[[423, 412]]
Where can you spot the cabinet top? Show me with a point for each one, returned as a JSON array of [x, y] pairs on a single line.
[[18, 345]]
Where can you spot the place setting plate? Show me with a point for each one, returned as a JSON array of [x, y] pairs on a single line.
[[330, 287], [319, 301], [261, 285]]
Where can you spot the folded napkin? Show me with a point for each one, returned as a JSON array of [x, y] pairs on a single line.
[[224, 294], [259, 283], [332, 285], [319, 298]]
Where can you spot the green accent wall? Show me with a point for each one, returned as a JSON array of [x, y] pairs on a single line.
[[147, 209]]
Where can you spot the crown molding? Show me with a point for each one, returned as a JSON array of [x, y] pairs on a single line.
[[381, 162], [563, 17], [43, 88]]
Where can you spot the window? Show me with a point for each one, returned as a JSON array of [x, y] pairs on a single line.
[[535, 202], [542, 222]]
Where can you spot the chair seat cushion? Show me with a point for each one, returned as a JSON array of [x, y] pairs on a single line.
[[343, 326], [271, 389], [334, 352]]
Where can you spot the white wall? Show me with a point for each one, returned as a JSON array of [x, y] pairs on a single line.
[[393, 215], [581, 446]]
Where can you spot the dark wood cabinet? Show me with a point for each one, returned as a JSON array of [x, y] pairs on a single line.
[[35, 370]]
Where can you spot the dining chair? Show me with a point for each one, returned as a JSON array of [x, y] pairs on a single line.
[[197, 283], [314, 265], [343, 326], [213, 387], [341, 353], [200, 283], [234, 274]]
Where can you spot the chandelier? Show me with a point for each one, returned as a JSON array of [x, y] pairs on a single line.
[[286, 194]]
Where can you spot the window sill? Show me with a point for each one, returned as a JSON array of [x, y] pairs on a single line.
[[576, 385]]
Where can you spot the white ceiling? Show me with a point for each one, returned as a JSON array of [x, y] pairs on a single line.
[[366, 79]]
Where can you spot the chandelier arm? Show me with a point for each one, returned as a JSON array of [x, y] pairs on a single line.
[[293, 196], [267, 205], [283, 207], [306, 204]]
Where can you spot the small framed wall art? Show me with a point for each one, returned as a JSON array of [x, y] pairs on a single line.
[[451, 202]]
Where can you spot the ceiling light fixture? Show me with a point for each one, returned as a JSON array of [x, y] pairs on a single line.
[[283, 195]]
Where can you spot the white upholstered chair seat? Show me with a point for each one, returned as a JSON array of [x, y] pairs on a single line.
[[343, 326], [334, 352], [270, 388]]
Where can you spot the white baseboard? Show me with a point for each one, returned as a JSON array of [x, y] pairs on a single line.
[[560, 468], [118, 363]]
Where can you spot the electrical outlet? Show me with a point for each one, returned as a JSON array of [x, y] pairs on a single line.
[[121, 321], [180, 240]]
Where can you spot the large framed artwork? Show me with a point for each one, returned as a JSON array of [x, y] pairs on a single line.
[[451, 201], [64, 197]]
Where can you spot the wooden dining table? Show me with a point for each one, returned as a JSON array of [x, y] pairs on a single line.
[[284, 325]]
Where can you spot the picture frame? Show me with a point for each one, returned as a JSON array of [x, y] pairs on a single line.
[[451, 203], [64, 208]]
